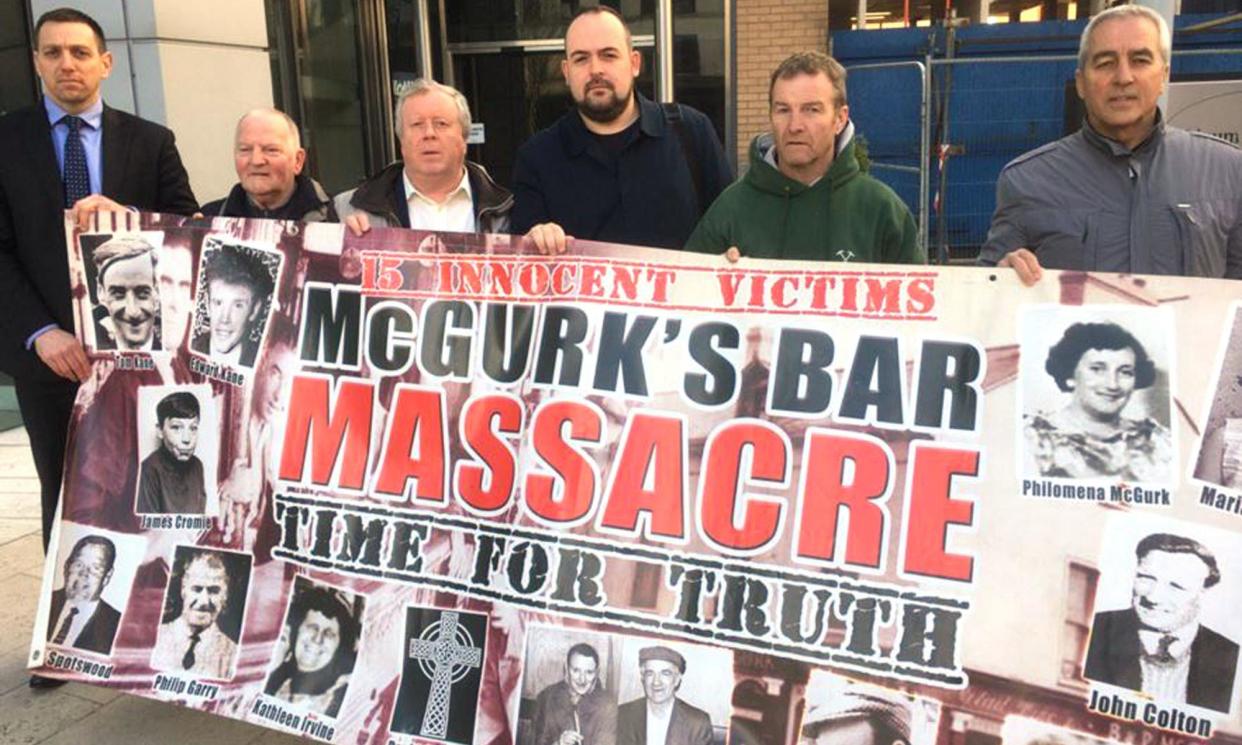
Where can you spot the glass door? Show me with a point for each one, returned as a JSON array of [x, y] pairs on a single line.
[[515, 90]]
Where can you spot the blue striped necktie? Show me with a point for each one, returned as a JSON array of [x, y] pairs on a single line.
[[77, 178]]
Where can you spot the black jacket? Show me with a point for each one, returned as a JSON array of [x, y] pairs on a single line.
[[646, 196], [308, 203], [98, 633], [382, 197], [141, 168], [1113, 658]]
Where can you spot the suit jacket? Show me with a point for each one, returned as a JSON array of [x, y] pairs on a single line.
[[141, 168], [689, 725], [1113, 658], [99, 631]]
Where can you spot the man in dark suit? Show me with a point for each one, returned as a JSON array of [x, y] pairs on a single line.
[[69, 150], [674, 721], [1158, 645], [79, 617]]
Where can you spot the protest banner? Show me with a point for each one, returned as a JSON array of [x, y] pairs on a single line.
[[420, 487]]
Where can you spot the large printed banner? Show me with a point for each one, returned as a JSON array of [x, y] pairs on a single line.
[[419, 487]]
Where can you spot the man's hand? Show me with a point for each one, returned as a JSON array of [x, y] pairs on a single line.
[[61, 351], [733, 254], [549, 238], [358, 223], [569, 737], [1025, 264], [87, 207]]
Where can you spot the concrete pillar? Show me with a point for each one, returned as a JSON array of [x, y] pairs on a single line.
[[193, 67]]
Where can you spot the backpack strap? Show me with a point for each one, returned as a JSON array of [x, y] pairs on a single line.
[[672, 115]]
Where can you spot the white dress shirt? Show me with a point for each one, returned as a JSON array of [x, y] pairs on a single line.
[[455, 213]]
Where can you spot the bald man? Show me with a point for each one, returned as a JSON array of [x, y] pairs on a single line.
[[268, 156]]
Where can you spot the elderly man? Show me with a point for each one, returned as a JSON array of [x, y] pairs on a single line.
[[79, 617], [433, 187], [618, 168], [1158, 645], [1125, 193], [268, 156], [193, 643], [128, 295], [576, 710], [170, 480], [659, 717], [68, 150], [857, 716], [805, 195], [238, 288]]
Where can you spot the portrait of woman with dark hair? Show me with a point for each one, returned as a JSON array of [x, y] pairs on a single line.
[[1099, 366], [321, 632]]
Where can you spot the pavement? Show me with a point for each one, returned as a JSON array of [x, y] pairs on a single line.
[[75, 713]]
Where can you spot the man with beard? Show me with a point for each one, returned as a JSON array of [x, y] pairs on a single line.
[[193, 642], [79, 617], [576, 710], [619, 167], [314, 673], [1158, 645], [171, 478], [237, 293], [659, 717], [127, 295]]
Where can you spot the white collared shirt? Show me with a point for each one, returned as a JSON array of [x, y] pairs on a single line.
[[455, 213], [85, 611]]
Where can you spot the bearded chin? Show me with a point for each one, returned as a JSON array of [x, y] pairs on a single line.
[[606, 112]]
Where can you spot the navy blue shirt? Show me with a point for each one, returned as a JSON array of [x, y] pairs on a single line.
[[644, 196]]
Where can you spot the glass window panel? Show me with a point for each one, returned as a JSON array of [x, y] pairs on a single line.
[[487, 20], [699, 58]]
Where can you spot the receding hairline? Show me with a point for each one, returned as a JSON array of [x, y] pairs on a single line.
[[295, 136], [601, 11]]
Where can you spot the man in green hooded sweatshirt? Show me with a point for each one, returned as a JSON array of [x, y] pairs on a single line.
[[805, 195]]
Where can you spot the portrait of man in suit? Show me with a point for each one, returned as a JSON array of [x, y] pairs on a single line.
[[1159, 645], [660, 717], [239, 288], [203, 612], [80, 618], [127, 295]]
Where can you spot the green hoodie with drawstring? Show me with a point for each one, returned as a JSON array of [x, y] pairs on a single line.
[[845, 216]]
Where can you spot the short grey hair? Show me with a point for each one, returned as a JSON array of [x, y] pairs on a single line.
[[423, 86], [294, 133], [1126, 11]]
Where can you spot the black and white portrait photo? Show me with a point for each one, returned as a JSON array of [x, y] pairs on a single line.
[[318, 648], [569, 687], [92, 588], [441, 674], [204, 611], [121, 278], [838, 710], [669, 693], [178, 441], [1165, 621], [1095, 398], [234, 300], [1219, 461], [1024, 731]]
